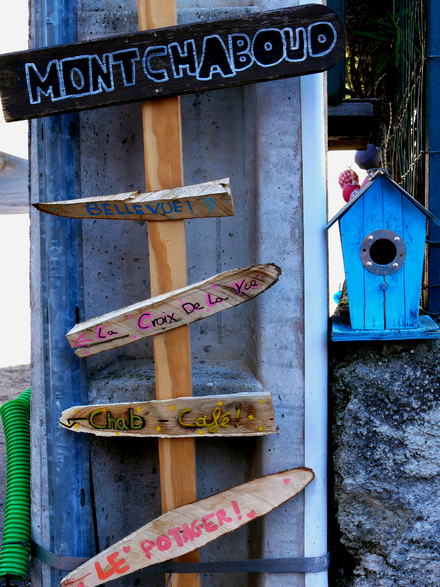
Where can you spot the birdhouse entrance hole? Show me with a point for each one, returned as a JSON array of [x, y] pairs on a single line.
[[383, 252]]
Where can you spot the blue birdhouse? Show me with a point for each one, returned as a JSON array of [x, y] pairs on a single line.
[[383, 232]]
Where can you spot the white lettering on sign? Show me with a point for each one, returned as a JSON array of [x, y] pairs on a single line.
[[86, 75]]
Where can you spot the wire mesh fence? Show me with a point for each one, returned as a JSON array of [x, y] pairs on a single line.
[[386, 59], [402, 140]]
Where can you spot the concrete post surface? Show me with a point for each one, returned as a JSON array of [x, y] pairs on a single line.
[[252, 135]]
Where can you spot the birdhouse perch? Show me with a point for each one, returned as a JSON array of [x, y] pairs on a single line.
[[383, 231]]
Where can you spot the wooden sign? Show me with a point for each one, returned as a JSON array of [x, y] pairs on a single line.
[[240, 414], [171, 310], [189, 527], [170, 61], [203, 200]]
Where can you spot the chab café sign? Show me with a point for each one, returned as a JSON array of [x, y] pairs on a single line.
[[170, 61]]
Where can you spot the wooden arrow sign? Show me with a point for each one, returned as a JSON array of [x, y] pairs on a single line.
[[240, 414], [189, 527], [171, 310], [170, 61], [203, 200]]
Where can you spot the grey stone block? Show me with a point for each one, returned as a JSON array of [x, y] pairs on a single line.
[[386, 400]]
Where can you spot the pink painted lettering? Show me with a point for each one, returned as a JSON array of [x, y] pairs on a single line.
[[146, 546], [100, 334], [103, 576], [163, 543], [221, 517], [81, 341], [236, 509], [141, 324], [243, 286], [213, 301], [76, 581], [115, 567], [189, 533], [165, 319], [209, 526], [118, 564], [189, 308], [175, 532]]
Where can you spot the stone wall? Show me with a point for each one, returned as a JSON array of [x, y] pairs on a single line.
[[385, 411]]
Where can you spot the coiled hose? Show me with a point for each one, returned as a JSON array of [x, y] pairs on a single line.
[[14, 555]]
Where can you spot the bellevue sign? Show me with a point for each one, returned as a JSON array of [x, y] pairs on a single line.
[[170, 61]]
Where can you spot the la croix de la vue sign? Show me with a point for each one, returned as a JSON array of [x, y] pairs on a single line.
[[190, 527], [170, 61], [172, 310]]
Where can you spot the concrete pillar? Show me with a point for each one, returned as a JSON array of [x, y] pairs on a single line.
[[253, 135]]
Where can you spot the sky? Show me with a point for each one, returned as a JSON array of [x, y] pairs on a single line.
[[14, 228]]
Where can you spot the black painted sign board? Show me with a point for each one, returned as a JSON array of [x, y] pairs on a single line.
[[170, 61]]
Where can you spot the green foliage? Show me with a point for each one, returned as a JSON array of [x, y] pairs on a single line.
[[388, 36], [378, 37]]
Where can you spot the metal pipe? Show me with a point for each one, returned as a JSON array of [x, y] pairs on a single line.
[[432, 149], [315, 317]]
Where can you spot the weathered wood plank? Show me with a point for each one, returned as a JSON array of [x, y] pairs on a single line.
[[239, 414], [414, 231], [190, 526], [342, 331], [168, 311], [170, 61], [373, 294], [209, 199], [351, 228], [395, 309], [162, 134]]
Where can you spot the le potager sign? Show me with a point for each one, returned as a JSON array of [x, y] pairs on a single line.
[[170, 61]]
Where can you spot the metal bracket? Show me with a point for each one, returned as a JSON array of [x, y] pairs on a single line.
[[390, 245], [310, 564]]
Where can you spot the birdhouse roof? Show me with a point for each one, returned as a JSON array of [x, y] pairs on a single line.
[[381, 173]]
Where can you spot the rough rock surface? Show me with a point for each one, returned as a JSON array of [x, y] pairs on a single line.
[[386, 458]]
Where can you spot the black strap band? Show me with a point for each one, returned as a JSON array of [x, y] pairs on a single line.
[[56, 561], [266, 565], [271, 565]]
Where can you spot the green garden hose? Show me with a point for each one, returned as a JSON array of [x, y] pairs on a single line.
[[14, 555]]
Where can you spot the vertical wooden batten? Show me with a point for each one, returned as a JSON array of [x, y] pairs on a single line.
[[167, 250]]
